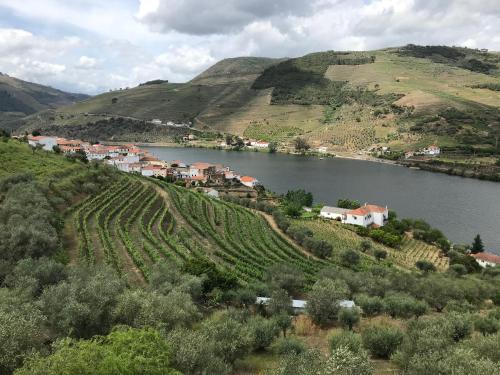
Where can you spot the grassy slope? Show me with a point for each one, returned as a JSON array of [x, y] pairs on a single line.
[[17, 158], [20, 98], [222, 99]]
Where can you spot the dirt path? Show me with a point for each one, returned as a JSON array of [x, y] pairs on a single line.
[[275, 227]]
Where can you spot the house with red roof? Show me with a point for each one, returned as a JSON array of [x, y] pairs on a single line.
[[249, 181], [47, 143], [486, 259], [367, 215]]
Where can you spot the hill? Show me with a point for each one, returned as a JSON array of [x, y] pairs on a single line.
[[20, 98], [163, 273], [406, 97]]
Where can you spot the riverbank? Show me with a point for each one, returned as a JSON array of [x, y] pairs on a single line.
[[343, 155]]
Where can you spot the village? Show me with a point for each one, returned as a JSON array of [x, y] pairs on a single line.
[[131, 159]]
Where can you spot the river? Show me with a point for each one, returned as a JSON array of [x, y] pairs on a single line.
[[460, 207]]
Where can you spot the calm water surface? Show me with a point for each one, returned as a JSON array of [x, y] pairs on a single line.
[[460, 207]]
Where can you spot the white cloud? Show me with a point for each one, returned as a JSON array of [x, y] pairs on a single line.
[[124, 43], [86, 62]]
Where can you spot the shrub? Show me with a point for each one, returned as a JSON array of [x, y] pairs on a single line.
[[348, 317], [285, 345], [425, 266], [486, 325], [347, 339], [382, 341], [349, 258], [263, 332], [370, 305], [380, 254], [323, 304]]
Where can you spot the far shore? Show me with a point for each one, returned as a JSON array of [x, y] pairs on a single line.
[[343, 155]]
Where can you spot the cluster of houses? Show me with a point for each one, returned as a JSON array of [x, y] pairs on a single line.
[[368, 215], [432, 150], [157, 121], [131, 159]]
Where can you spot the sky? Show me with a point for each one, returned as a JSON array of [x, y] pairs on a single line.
[[92, 46]]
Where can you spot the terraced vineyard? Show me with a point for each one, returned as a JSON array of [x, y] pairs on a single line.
[[342, 238], [138, 222]]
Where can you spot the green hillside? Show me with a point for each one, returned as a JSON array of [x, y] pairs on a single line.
[[19, 98], [404, 97], [136, 273]]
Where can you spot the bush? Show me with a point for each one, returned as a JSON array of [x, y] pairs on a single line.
[[350, 258], [486, 325], [400, 305], [380, 254], [323, 304], [263, 332], [371, 306], [291, 346], [348, 317], [347, 339], [425, 266], [382, 341]]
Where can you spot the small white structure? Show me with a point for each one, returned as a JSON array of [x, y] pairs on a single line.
[[148, 171], [156, 121], [249, 181], [335, 213], [323, 149], [486, 259], [367, 215], [259, 144], [300, 305], [47, 143], [432, 150]]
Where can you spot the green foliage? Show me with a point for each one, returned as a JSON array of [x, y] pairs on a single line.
[[287, 277], [486, 325], [82, 305], [382, 341], [425, 266], [477, 245], [399, 305], [300, 197], [301, 145], [342, 361], [380, 254], [323, 302], [263, 332], [350, 258], [215, 277], [288, 346], [123, 351], [347, 339], [280, 303], [371, 305], [347, 203], [348, 317]]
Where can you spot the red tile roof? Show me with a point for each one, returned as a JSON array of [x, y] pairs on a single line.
[[487, 257], [201, 165], [367, 209], [247, 179]]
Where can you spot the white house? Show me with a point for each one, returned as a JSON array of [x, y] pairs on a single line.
[[259, 144], [156, 121], [249, 181], [148, 171], [47, 143], [486, 259], [367, 215], [432, 150], [335, 213]]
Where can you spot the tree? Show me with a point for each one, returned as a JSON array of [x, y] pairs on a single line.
[[285, 276], [263, 332], [323, 304], [347, 203], [350, 258], [477, 245], [380, 254], [371, 306], [239, 144], [283, 321], [229, 139], [486, 325], [425, 266], [300, 197], [348, 317], [301, 145], [273, 147], [123, 351], [280, 303], [382, 341]]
